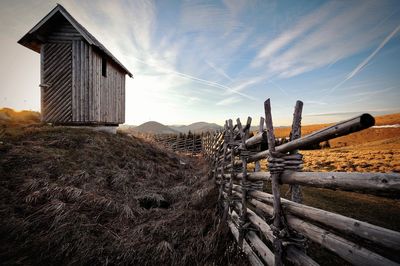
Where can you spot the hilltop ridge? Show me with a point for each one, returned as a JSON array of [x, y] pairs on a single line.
[[154, 127], [198, 127]]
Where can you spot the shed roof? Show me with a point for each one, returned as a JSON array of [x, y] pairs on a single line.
[[33, 41]]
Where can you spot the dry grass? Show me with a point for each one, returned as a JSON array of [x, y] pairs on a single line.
[[362, 137], [70, 196], [377, 156]]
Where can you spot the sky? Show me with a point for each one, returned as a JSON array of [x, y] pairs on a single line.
[[214, 60]]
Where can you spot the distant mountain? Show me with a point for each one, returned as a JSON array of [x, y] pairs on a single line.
[[154, 127], [197, 127]]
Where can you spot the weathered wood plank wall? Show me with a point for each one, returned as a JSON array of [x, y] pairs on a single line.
[[57, 79], [73, 68], [108, 92], [56, 74]]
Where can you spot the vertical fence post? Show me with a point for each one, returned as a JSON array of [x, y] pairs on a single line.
[[296, 195], [244, 154], [184, 144], [257, 164], [258, 185], [244, 192], [277, 223], [222, 181], [193, 144], [231, 145], [223, 163]]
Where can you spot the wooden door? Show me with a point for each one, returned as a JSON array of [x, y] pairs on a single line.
[[56, 83]]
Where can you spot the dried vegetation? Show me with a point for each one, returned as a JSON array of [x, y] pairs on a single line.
[[72, 196]]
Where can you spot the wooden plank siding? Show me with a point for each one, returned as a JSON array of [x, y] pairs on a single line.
[[57, 80], [80, 94], [108, 92], [96, 99], [64, 32]]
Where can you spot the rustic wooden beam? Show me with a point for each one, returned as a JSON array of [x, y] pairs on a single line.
[[293, 254], [343, 128], [260, 137], [350, 181], [347, 250], [349, 226], [253, 259], [353, 181], [263, 251]]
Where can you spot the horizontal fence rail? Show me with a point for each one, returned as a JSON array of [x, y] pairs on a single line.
[[272, 230]]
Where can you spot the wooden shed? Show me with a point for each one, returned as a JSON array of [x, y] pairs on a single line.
[[82, 83]]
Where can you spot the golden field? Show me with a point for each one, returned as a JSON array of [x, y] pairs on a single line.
[[370, 150], [375, 156], [362, 137]]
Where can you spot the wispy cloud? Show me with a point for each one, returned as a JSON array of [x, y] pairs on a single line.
[[206, 16], [243, 84], [370, 93], [283, 40], [316, 102], [196, 79], [369, 58], [278, 87], [229, 101], [220, 71], [358, 68], [330, 33], [352, 113]]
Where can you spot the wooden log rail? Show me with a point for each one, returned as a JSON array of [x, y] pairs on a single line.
[[343, 128], [349, 181], [255, 217]]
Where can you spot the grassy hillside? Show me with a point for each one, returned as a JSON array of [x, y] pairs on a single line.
[[11, 117], [72, 196]]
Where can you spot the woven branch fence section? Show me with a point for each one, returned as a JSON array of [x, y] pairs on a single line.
[[272, 230], [189, 144]]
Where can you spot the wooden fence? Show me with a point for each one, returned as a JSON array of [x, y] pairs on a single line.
[[272, 230], [189, 144]]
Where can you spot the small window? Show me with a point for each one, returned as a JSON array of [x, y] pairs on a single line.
[[104, 67]]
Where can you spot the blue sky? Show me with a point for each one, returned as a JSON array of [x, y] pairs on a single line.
[[214, 60]]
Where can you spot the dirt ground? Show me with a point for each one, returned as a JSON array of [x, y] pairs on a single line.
[[72, 196]]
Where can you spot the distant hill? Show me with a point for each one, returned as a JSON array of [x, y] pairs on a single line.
[[197, 127], [9, 116], [154, 127]]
